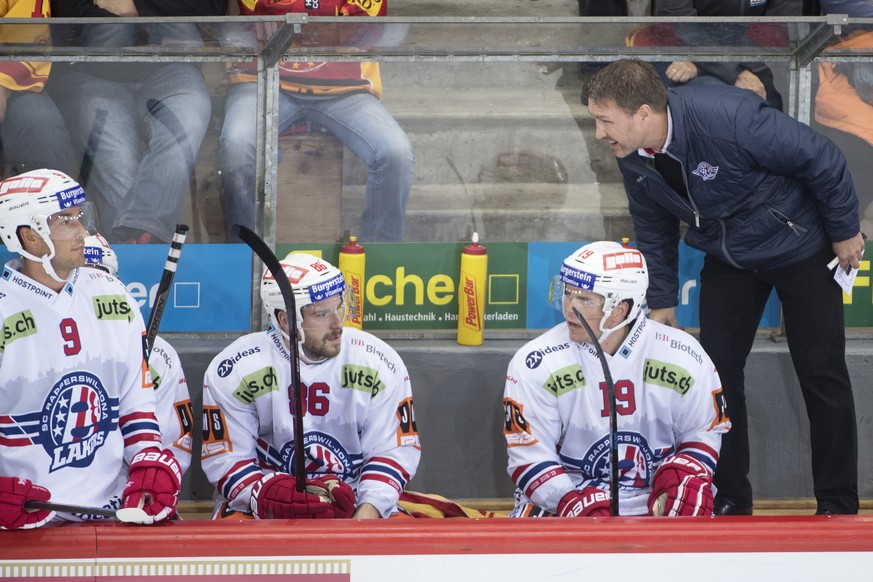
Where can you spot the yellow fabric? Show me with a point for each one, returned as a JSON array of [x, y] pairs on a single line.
[[24, 76], [433, 505]]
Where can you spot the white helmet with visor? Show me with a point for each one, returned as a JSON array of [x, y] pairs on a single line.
[[616, 272], [34, 199], [312, 279], [99, 254]]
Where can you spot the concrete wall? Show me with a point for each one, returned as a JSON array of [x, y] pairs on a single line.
[[458, 394]]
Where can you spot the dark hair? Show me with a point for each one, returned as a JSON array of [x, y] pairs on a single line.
[[630, 83]]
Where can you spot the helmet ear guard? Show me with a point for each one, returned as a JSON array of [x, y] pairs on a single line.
[[614, 271]]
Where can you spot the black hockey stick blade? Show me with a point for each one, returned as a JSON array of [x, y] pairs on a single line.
[[166, 282], [126, 514], [613, 420], [266, 254]]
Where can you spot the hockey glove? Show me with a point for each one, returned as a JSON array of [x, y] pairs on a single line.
[[153, 483], [14, 492], [276, 497], [682, 486], [590, 502]]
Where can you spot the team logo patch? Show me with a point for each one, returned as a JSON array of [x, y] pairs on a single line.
[[625, 352], [112, 307], [77, 416], [706, 171], [635, 461], [667, 375], [324, 454]]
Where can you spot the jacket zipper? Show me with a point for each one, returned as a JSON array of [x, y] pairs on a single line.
[[795, 228]]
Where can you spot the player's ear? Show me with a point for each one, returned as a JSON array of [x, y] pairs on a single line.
[[28, 238], [621, 311], [282, 318]]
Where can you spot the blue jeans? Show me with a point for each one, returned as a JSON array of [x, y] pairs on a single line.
[[138, 143], [359, 121], [33, 134]]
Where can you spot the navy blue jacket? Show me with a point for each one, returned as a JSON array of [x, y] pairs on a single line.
[[765, 191]]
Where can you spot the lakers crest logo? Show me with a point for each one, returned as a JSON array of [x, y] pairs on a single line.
[[706, 171], [324, 454], [76, 417]]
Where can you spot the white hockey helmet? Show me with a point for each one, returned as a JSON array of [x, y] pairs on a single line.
[[312, 279], [99, 254], [615, 271], [29, 199]]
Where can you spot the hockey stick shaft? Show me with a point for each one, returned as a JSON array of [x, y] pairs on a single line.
[[66, 508], [260, 248], [166, 282], [125, 514], [613, 419]]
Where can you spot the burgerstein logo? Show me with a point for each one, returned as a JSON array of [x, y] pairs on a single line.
[[77, 416]]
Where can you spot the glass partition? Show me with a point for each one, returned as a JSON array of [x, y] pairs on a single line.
[[489, 108]]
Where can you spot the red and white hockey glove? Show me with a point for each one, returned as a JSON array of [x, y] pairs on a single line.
[[590, 502], [276, 497], [153, 483], [682, 486], [14, 492]]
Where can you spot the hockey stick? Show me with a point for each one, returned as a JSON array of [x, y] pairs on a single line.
[[260, 248], [613, 420], [164, 286], [126, 514]]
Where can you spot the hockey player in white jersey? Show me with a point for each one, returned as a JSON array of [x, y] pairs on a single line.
[[360, 437], [76, 404], [668, 398], [173, 402]]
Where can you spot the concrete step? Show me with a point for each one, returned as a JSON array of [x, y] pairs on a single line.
[[466, 121], [507, 212]]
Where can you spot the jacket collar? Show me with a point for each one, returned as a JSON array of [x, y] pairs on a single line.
[[650, 153]]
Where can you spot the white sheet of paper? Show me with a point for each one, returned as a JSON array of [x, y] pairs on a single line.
[[845, 281]]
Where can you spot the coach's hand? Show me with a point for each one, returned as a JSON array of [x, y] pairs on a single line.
[[14, 492]]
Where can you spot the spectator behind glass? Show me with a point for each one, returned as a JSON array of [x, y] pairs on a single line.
[[136, 128], [32, 132], [844, 102], [754, 76], [341, 97]]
